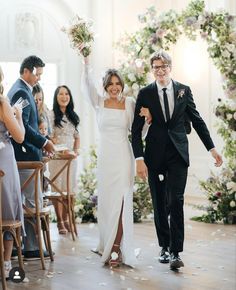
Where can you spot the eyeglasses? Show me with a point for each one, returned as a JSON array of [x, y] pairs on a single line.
[[158, 67]]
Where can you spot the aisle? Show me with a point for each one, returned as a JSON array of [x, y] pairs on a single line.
[[209, 259]]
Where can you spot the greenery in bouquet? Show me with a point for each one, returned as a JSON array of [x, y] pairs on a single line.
[[86, 201], [80, 35]]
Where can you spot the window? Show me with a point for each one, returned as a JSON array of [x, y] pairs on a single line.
[[48, 79]]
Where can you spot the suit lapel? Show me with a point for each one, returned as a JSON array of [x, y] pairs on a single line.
[[32, 100], [156, 101]]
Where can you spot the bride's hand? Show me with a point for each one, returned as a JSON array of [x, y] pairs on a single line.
[[144, 112], [81, 47]]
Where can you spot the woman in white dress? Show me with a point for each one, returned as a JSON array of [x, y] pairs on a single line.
[[115, 167]]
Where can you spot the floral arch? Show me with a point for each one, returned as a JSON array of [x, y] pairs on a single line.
[[161, 32]]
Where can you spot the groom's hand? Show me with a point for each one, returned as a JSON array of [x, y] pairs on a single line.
[[217, 157], [141, 169]]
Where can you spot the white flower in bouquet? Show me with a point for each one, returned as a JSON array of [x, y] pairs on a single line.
[[81, 35]]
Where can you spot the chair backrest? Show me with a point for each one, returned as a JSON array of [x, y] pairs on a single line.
[[1, 176], [4, 286], [37, 167]]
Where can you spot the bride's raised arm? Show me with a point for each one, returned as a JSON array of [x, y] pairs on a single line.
[[88, 88]]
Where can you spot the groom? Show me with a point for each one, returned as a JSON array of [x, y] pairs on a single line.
[[166, 158]]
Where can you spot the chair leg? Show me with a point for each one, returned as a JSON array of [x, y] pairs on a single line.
[[49, 238], [39, 234], [70, 222], [44, 229], [18, 246], [4, 285], [73, 216]]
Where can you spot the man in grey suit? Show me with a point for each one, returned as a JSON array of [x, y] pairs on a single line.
[[31, 149]]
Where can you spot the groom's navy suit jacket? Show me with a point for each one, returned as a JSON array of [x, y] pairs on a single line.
[[30, 149], [159, 132]]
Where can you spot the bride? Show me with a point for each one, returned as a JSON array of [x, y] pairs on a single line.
[[115, 167]]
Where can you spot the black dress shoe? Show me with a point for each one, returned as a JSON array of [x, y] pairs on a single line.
[[175, 261], [164, 256], [35, 255]]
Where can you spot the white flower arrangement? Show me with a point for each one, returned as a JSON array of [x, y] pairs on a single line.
[[181, 92], [81, 35]]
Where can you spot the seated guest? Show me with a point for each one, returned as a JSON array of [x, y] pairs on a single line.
[[64, 124], [10, 124]]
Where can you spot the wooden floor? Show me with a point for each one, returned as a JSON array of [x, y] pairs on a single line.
[[209, 257]]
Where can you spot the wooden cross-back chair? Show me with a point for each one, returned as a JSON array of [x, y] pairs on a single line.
[[14, 228], [4, 285], [66, 198], [41, 215]]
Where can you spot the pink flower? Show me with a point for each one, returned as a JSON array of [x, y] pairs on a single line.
[[160, 32], [218, 194]]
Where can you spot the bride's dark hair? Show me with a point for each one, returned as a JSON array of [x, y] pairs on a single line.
[[70, 113], [107, 78]]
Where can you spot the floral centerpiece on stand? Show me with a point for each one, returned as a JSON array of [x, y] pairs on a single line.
[[80, 35]]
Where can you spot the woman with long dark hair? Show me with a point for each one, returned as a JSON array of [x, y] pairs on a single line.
[[64, 125]]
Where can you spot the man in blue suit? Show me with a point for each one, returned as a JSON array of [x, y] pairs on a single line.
[[31, 149]]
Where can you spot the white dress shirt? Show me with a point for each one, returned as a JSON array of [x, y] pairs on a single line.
[[171, 101], [170, 96]]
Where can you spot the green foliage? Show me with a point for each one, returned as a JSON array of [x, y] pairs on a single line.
[[86, 202], [221, 189], [141, 200]]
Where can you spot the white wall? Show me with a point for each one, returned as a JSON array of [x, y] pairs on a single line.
[[111, 19]]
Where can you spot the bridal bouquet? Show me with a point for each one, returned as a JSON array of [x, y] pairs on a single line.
[[81, 35]]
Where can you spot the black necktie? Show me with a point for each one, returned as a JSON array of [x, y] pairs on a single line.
[[166, 104]]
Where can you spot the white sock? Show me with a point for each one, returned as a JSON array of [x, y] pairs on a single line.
[[7, 265]]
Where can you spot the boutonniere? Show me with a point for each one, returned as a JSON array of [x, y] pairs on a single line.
[[180, 93]]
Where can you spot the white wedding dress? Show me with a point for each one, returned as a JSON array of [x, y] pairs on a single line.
[[115, 173]]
